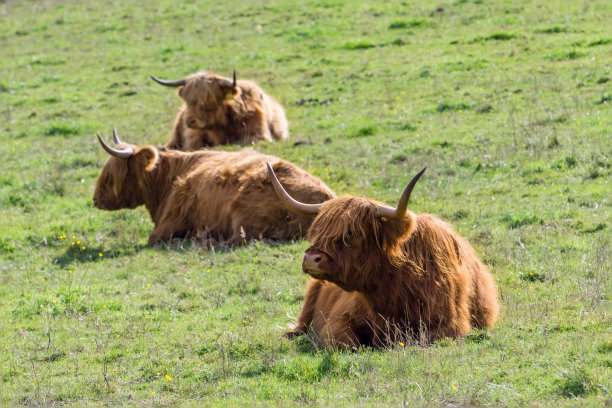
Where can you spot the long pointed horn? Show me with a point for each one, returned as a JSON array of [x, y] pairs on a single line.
[[229, 83], [288, 201], [402, 205], [122, 154], [179, 82], [116, 137]]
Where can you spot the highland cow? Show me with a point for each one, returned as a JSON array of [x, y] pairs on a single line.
[[225, 196], [220, 110], [383, 274]]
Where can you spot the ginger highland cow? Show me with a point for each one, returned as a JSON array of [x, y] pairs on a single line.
[[220, 110], [224, 196], [382, 275]]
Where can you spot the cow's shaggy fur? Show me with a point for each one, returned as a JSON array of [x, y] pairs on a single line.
[[378, 280], [216, 112], [226, 196]]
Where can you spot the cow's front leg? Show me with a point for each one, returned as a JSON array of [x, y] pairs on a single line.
[[340, 335], [160, 234], [170, 225]]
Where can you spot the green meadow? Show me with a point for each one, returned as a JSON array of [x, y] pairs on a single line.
[[507, 102]]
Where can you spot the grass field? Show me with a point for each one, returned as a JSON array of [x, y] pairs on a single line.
[[506, 102]]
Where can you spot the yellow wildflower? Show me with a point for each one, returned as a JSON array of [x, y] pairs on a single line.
[[168, 377]]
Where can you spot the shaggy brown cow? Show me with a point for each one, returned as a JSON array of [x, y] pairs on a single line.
[[219, 110], [383, 274], [226, 196]]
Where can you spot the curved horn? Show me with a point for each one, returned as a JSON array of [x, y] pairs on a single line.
[[122, 154], [179, 82], [288, 201], [116, 137], [234, 83], [402, 205]]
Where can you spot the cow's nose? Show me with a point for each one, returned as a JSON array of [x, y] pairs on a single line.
[[191, 122], [312, 261]]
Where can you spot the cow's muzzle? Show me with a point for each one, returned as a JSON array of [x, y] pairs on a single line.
[[313, 263]]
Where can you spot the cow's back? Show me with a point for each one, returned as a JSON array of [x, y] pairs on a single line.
[[231, 196]]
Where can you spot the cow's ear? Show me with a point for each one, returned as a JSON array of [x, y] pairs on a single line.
[[230, 92], [146, 158], [395, 232], [230, 87]]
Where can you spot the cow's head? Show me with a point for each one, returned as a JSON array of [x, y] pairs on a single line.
[[352, 237], [205, 95], [123, 177]]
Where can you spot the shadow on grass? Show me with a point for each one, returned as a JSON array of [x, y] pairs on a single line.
[[310, 344], [307, 344], [80, 254], [215, 246], [86, 254]]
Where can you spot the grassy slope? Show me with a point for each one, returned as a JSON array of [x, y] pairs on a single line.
[[506, 102]]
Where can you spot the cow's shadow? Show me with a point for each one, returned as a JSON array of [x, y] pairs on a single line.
[[310, 343], [82, 255]]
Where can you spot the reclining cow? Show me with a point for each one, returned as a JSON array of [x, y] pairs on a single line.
[[220, 110], [382, 274], [226, 196]]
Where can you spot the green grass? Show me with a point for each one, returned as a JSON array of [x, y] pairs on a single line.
[[507, 103]]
